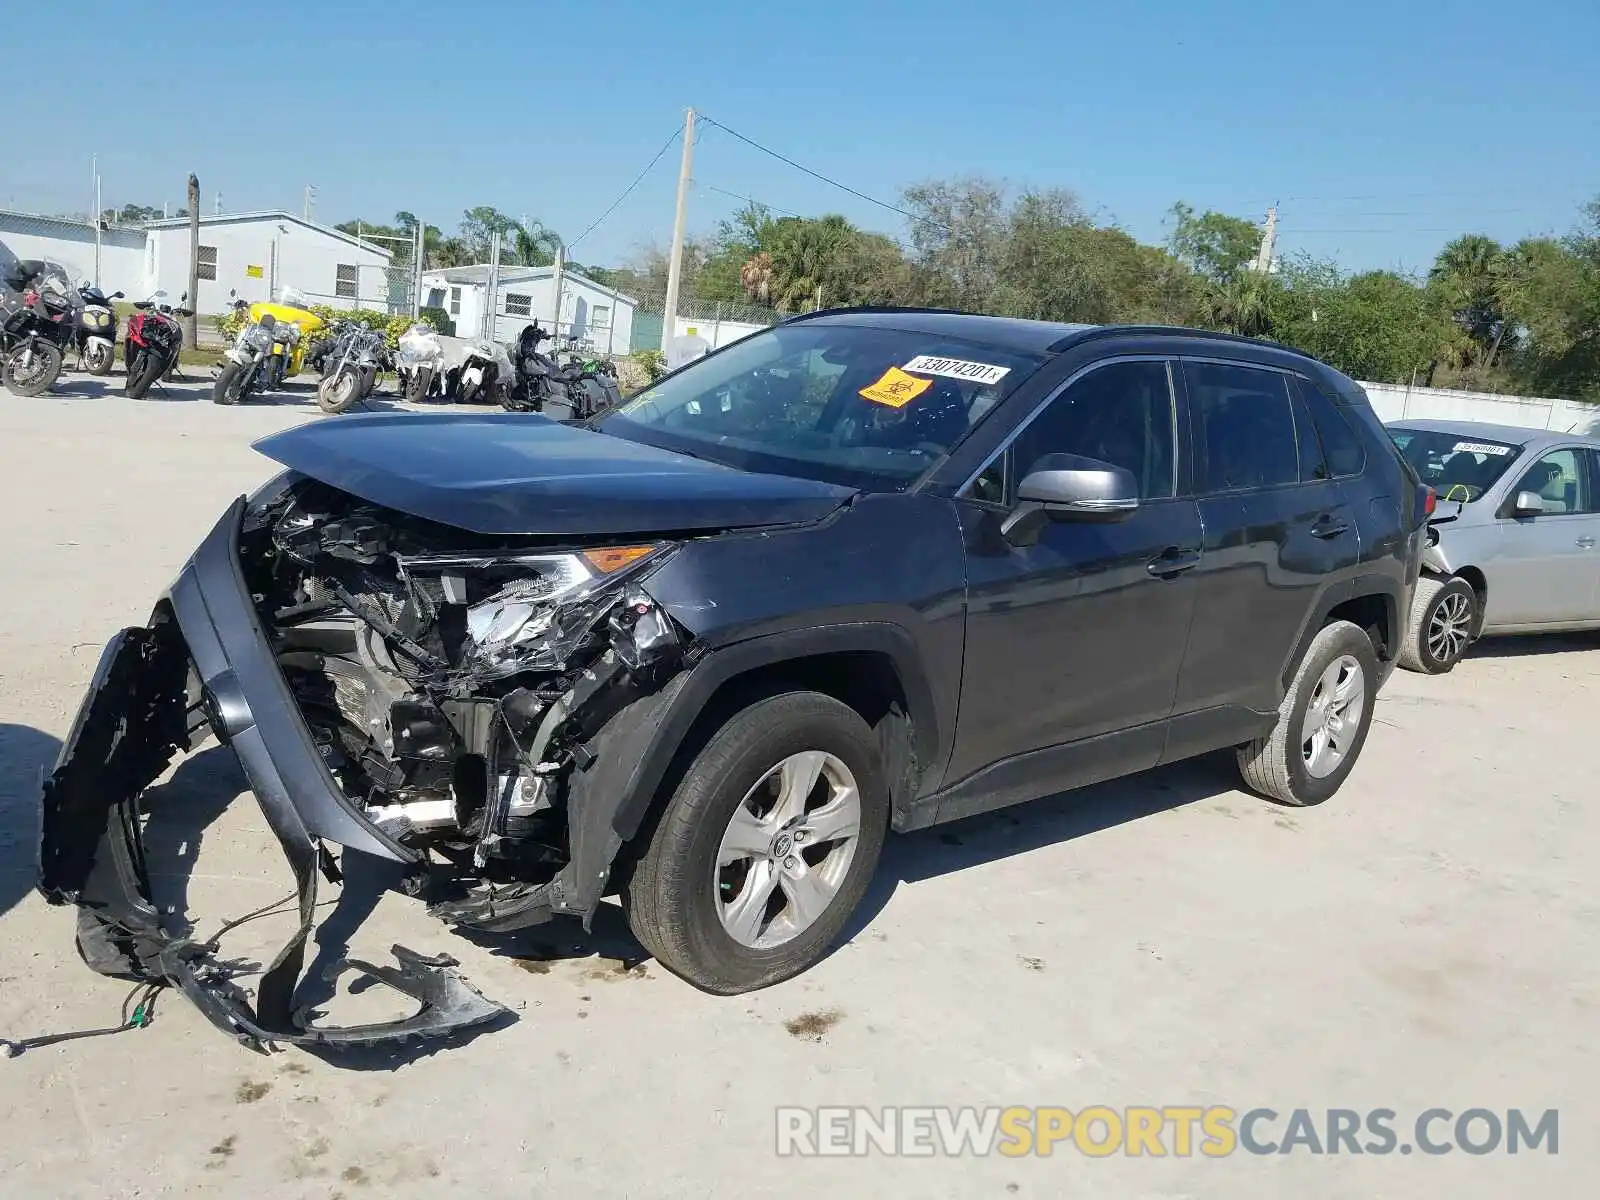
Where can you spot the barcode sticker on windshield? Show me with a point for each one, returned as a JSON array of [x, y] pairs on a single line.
[[1480, 448], [957, 368], [896, 389]]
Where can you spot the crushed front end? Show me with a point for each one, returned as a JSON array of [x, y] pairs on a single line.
[[402, 688]]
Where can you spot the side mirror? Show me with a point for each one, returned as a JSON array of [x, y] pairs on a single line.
[[1527, 504], [116, 295], [1069, 487]]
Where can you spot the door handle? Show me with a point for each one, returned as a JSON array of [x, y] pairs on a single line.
[[1329, 527], [1586, 543], [1173, 561]]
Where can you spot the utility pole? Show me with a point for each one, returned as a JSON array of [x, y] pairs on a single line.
[[557, 280], [216, 209], [669, 323], [191, 332], [1269, 241], [311, 200], [98, 222]]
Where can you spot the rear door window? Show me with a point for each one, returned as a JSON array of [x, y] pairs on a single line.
[[1342, 445], [1244, 427]]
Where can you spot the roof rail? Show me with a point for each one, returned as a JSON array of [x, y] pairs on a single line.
[[876, 308]]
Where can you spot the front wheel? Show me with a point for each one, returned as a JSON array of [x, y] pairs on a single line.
[[417, 384], [99, 357], [338, 392], [30, 370], [230, 385], [143, 371], [766, 846], [1322, 722], [1444, 614]]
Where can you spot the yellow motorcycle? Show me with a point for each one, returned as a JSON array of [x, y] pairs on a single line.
[[296, 328]]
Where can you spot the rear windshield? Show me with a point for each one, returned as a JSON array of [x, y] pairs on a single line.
[[1458, 468], [871, 408]]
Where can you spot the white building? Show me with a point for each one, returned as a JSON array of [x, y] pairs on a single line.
[[248, 256], [592, 312]]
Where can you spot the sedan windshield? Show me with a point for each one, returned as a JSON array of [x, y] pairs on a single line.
[[1458, 468], [871, 408]]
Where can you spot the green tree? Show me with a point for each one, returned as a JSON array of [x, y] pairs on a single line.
[[958, 230], [1466, 281], [1214, 244]]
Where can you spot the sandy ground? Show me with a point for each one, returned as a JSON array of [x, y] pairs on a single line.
[[1426, 939]]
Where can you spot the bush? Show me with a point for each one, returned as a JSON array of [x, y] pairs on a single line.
[[229, 324], [653, 362], [440, 320]]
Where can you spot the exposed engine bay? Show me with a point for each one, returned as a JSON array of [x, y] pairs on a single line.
[[451, 680]]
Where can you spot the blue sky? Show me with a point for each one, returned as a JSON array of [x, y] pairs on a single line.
[[1381, 128]]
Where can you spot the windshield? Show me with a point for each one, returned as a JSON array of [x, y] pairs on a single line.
[[1458, 468], [871, 408]]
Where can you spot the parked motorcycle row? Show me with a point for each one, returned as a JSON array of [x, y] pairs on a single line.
[[45, 318]]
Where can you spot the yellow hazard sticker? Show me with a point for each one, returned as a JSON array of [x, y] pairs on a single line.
[[896, 389]]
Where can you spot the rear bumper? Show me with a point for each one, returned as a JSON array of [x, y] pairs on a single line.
[[204, 660]]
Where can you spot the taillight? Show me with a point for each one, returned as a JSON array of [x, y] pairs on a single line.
[[1430, 501]]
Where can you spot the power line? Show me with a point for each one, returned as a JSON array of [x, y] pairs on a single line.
[[884, 204], [627, 191]]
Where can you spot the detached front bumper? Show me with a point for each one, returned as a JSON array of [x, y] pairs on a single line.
[[204, 660]]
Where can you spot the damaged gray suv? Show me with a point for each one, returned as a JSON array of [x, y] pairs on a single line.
[[868, 570]]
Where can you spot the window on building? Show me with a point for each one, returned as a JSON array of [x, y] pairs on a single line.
[[435, 298], [455, 302], [600, 316], [207, 262], [518, 304], [346, 278], [1245, 427]]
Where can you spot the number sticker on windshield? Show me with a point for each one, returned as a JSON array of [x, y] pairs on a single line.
[[896, 389], [957, 368], [1480, 448]]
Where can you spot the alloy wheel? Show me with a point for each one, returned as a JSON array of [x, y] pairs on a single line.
[[1333, 716], [1450, 628], [787, 849]]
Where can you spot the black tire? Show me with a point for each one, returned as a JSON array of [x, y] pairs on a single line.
[[670, 896], [229, 387], [469, 393], [142, 375], [98, 360], [1442, 624], [417, 385], [368, 382], [43, 376], [338, 392], [1275, 765]]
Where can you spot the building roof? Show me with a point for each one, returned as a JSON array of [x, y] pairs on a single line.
[[277, 214], [478, 275]]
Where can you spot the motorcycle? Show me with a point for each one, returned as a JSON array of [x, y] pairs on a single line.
[[351, 368], [575, 390], [419, 362], [95, 330], [244, 369], [153, 342], [486, 371], [301, 328], [35, 332]]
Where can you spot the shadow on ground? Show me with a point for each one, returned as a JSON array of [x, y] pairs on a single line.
[[1528, 645], [26, 754]]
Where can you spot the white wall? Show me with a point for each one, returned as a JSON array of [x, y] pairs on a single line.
[[579, 299], [717, 333], [1394, 402], [288, 254], [122, 265]]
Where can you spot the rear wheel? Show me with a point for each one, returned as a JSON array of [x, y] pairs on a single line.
[[1444, 614], [230, 385], [30, 370], [338, 392], [766, 846], [1322, 722]]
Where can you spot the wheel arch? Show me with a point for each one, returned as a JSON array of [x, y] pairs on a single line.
[[1371, 602]]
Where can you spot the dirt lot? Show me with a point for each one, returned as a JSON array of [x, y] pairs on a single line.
[[1426, 939]]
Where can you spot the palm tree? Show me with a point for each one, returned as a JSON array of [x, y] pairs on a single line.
[[531, 245], [755, 277], [1467, 277]]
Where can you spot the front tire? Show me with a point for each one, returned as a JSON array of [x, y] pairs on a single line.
[[417, 385], [1444, 616], [142, 374], [99, 359], [229, 387], [338, 392], [41, 374], [766, 846], [1322, 723]]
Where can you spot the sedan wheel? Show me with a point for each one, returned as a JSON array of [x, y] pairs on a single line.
[[787, 849], [1443, 622], [1333, 716]]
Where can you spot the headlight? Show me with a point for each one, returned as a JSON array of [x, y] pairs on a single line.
[[537, 622]]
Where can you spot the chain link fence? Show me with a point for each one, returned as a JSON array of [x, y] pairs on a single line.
[[717, 321]]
